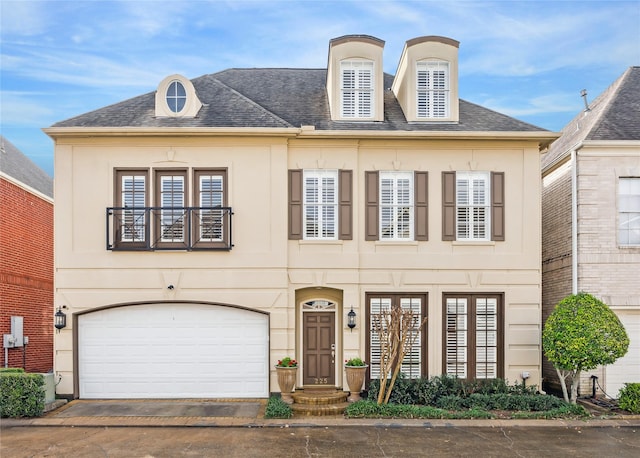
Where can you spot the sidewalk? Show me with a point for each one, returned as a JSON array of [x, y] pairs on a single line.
[[250, 414]]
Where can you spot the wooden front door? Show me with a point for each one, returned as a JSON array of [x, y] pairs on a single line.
[[319, 348]]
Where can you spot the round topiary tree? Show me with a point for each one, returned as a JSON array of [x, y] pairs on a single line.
[[582, 333]]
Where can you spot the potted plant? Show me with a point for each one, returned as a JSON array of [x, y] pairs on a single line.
[[356, 370], [287, 370]]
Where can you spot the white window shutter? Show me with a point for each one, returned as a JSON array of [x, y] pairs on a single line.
[[432, 89], [133, 198], [357, 99], [320, 204]]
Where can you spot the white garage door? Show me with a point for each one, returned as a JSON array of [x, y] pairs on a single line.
[[173, 351], [627, 368]]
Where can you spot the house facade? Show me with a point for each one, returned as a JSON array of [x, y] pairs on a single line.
[[591, 220], [217, 225], [26, 262]]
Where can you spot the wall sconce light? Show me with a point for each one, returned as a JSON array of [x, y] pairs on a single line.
[[351, 319], [60, 318]]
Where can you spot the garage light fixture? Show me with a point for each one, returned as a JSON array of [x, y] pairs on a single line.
[[60, 318], [351, 319]]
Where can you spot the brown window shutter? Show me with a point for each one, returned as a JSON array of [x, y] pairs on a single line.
[[448, 205], [295, 204], [345, 204], [371, 184], [497, 206], [421, 216]]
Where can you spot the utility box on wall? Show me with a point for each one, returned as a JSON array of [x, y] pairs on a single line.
[[17, 329]]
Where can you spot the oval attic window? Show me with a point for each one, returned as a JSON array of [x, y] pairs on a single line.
[[176, 96]]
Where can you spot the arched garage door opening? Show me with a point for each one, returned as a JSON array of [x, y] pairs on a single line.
[[175, 350]]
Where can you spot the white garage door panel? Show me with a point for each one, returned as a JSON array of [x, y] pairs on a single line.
[[173, 351], [627, 368]]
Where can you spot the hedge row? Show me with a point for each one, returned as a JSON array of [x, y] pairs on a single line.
[[21, 394]]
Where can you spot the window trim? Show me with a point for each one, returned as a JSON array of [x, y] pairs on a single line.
[[395, 302], [319, 175], [358, 65], [226, 225], [471, 331], [395, 207], [472, 207], [372, 223], [159, 173], [429, 92], [176, 98], [118, 175], [496, 214], [296, 205]]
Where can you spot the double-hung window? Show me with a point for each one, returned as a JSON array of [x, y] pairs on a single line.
[[473, 336], [356, 89], [396, 205], [629, 211], [473, 206], [432, 89], [320, 204]]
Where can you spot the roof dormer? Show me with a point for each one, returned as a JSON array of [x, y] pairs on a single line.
[[176, 97], [355, 78], [426, 83]]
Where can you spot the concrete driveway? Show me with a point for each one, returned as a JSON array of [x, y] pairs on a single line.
[[328, 441]]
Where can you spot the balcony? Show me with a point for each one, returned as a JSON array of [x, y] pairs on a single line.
[[169, 228]]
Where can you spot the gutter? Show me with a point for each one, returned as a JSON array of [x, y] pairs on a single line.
[[574, 221], [544, 138]]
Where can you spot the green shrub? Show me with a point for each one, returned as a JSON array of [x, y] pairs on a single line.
[[451, 402], [567, 410], [277, 408], [21, 394], [8, 370], [629, 398], [371, 409]]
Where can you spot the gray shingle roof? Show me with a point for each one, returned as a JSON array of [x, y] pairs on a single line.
[[613, 116], [281, 98], [19, 167]]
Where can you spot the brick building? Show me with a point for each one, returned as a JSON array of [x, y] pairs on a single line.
[[591, 220], [26, 260]]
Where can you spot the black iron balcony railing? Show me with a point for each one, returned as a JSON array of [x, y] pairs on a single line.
[[169, 228]]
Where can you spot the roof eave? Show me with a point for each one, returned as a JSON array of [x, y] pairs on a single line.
[[543, 138], [79, 131]]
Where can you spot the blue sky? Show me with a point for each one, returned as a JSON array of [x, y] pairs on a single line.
[[527, 59]]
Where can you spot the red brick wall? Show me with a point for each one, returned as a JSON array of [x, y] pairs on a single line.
[[26, 274]]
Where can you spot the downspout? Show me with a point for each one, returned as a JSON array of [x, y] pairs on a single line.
[[574, 222]]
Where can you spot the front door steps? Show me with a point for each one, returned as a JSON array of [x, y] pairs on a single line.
[[319, 401]]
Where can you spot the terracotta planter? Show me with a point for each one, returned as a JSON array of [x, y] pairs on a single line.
[[286, 382], [355, 380]]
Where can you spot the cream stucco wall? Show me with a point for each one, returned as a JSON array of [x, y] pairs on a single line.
[[264, 269]]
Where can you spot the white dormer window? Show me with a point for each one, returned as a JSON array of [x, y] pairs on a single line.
[[176, 98], [432, 85], [357, 89]]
